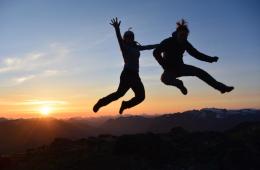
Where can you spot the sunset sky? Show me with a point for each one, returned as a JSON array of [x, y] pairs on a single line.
[[61, 56]]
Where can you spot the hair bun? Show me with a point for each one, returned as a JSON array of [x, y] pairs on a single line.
[[182, 22], [182, 25]]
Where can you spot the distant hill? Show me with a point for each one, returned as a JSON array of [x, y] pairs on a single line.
[[3, 119], [194, 120], [21, 134], [234, 149]]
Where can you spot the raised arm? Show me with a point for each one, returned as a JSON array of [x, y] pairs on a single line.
[[198, 55], [116, 24]]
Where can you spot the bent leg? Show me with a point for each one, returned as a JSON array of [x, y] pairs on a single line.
[[122, 89], [139, 92], [188, 70], [169, 78]]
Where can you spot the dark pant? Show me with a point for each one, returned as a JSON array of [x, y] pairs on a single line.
[[128, 79], [169, 77]]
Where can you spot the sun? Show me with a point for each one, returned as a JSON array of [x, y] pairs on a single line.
[[45, 111]]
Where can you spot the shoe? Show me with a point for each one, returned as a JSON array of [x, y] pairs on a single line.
[[183, 90], [227, 89], [123, 107], [96, 107]]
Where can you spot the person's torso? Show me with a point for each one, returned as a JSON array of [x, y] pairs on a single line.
[[173, 51], [131, 57]]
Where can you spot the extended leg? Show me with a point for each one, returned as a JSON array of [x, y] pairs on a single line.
[[188, 70], [169, 78]]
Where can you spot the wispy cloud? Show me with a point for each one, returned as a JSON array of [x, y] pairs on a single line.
[[23, 79], [91, 44], [50, 72], [34, 60], [60, 49], [18, 63], [45, 73], [34, 102], [32, 65], [43, 102]]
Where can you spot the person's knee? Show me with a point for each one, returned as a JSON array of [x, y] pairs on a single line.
[[118, 94], [165, 79], [172, 81], [140, 97]]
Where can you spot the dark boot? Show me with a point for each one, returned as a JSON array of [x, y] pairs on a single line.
[[97, 106], [227, 89], [179, 84], [123, 107]]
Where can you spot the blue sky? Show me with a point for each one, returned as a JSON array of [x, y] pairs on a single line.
[[66, 50]]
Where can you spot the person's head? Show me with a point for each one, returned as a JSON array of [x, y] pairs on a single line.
[[129, 37], [182, 31]]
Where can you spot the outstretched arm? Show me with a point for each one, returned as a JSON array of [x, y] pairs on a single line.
[[147, 47], [198, 55], [116, 24]]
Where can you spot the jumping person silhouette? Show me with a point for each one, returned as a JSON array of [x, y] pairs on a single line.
[[169, 55], [130, 75]]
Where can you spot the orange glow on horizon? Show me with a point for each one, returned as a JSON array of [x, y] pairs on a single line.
[[154, 104]]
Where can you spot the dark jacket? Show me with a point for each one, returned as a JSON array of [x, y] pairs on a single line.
[[173, 51]]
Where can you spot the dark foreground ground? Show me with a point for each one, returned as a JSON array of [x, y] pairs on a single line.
[[234, 149]]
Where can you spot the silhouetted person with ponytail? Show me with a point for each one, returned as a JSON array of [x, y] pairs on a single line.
[[169, 55], [130, 75]]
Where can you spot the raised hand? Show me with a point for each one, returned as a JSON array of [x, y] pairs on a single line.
[[115, 22]]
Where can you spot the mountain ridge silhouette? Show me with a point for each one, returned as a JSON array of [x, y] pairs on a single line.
[[21, 134]]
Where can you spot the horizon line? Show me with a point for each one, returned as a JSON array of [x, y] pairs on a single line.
[[124, 115]]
